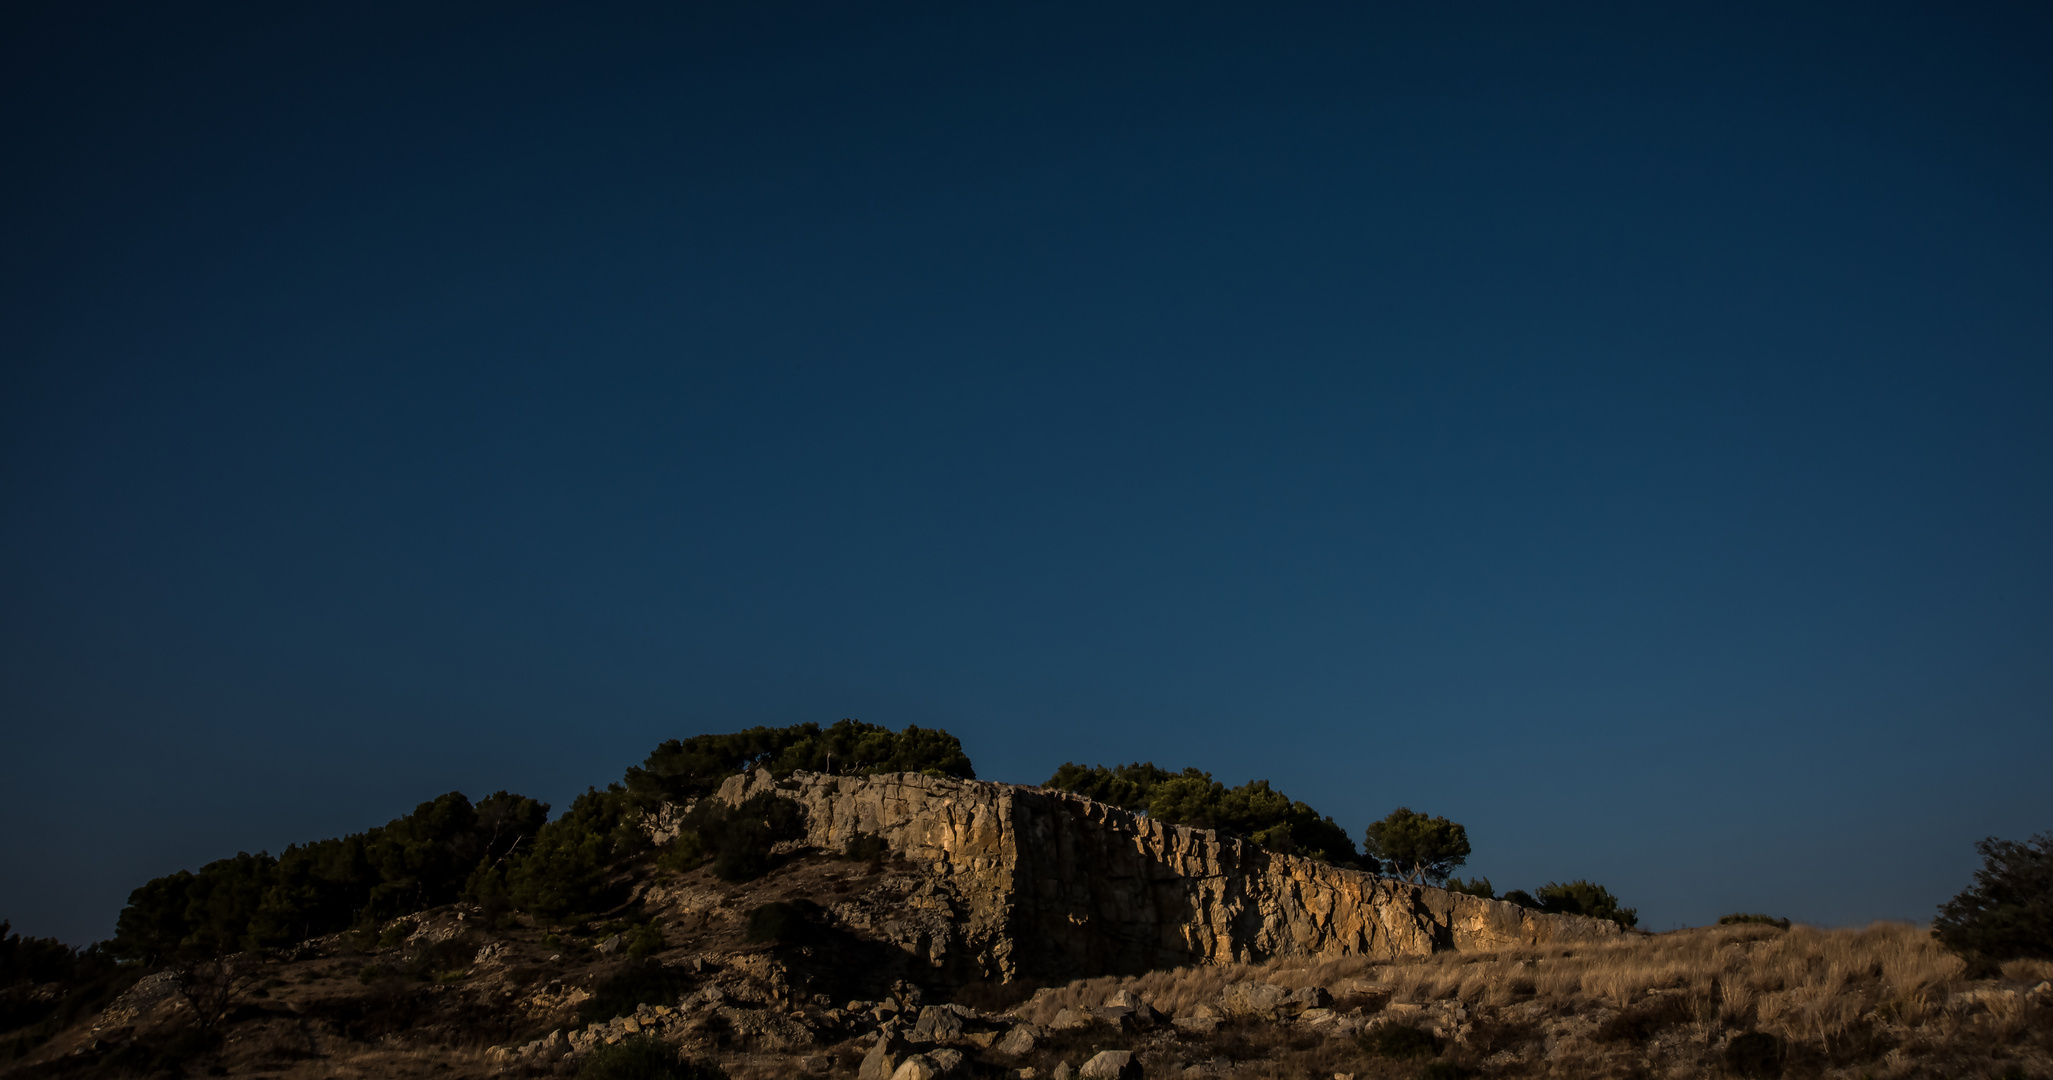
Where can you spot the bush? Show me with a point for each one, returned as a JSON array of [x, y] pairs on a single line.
[[421, 860], [1752, 919], [1756, 1055], [568, 872], [1398, 1041], [741, 840], [2007, 914], [1473, 887], [642, 1058], [1582, 898], [1417, 846], [680, 770], [1191, 797], [644, 940]]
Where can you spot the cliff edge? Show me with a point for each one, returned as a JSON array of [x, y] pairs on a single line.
[[1026, 882]]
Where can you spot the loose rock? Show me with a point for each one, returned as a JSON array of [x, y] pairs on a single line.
[[937, 1024], [1020, 1040], [1111, 1065]]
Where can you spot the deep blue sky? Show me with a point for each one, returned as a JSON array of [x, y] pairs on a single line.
[[1628, 431]]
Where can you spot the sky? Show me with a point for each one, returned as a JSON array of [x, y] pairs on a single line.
[[1626, 430]]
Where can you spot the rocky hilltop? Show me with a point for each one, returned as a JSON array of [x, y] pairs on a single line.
[[920, 928], [1027, 882]]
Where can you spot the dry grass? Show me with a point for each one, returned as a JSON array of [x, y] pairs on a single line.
[[1885, 995]]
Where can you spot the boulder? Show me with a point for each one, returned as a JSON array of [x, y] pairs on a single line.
[[1123, 999], [937, 1024], [1111, 1065], [1252, 999], [1020, 1040], [882, 1062], [1309, 997], [1120, 1018], [1202, 1025], [1062, 1071], [1070, 1020], [929, 1065]]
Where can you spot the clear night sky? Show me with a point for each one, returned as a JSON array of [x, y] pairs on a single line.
[[1628, 431]]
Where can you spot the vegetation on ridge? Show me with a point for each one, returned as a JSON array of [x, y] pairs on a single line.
[[2007, 914], [439, 853], [1192, 797], [683, 769], [503, 853], [1418, 847]]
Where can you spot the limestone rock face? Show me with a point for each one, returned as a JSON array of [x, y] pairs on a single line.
[[1031, 882]]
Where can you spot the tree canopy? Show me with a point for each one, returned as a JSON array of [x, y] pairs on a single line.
[[2007, 914], [1417, 846], [1576, 898], [682, 769], [424, 858], [1191, 797], [501, 852]]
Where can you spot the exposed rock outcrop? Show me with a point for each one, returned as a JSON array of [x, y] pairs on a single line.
[[1027, 881]]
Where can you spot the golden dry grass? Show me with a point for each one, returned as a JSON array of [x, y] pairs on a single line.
[[1888, 989]]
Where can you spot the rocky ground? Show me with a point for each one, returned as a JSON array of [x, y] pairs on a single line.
[[828, 967]]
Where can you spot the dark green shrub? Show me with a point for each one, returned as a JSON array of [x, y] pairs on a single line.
[[1584, 898], [639, 982], [2007, 914], [1479, 886], [685, 854], [781, 922], [1756, 1055], [35, 960], [644, 940], [421, 860], [1398, 1041], [642, 1058], [1191, 797], [567, 872], [741, 839], [1413, 845], [679, 770], [1752, 919]]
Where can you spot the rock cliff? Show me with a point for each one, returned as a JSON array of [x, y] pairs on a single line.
[[1029, 882]]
